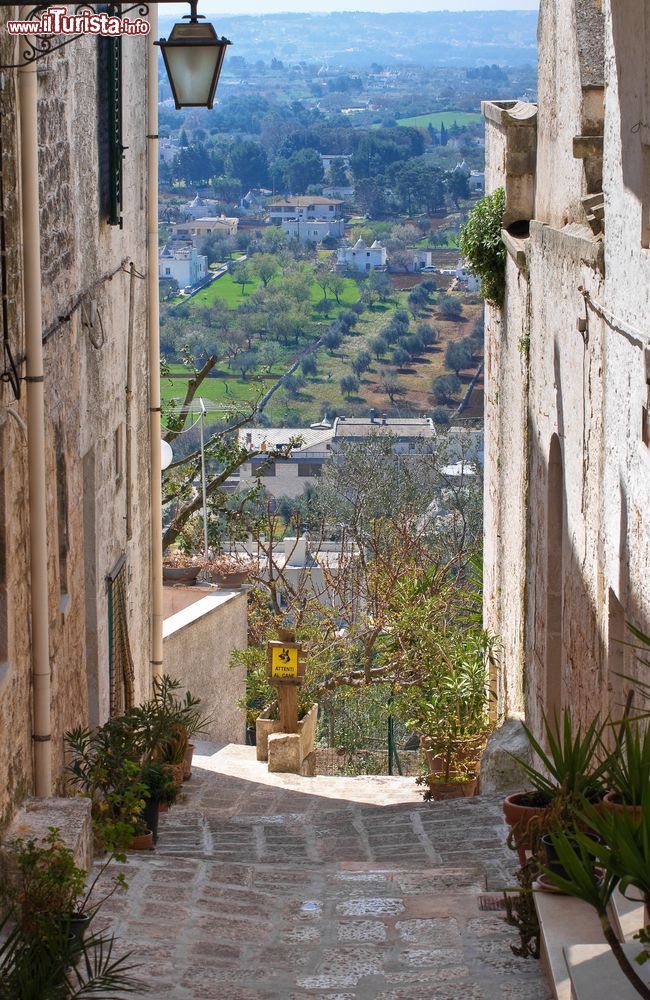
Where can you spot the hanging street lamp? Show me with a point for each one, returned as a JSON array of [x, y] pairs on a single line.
[[193, 56]]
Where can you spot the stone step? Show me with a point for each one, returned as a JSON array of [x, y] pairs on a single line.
[[596, 975], [627, 916], [563, 921]]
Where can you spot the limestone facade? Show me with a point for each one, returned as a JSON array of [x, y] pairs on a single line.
[[97, 441], [567, 462]]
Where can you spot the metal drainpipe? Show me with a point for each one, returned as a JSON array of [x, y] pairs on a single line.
[[129, 406], [41, 735], [154, 349]]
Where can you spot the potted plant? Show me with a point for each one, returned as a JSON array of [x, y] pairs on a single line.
[[180, 567], [628, 769], [48, 887], [167, 721], [45, 948], [106, 766], [160, 789], [593, 869], [451, 714], [229, 571], [571, 771]]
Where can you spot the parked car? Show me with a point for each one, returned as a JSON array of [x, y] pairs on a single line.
[[429, 269]]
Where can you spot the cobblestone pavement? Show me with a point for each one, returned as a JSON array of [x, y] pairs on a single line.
[[276, 887]]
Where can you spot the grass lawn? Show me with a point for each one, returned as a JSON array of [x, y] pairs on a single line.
[[224, 290], [439, 118], [349, 295]]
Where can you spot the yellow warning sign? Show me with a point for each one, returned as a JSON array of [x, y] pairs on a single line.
[[284, 661]]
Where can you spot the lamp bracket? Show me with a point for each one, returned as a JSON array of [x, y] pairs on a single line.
[[39, 46]]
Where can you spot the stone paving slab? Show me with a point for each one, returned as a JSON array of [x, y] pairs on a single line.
[[277, 887]]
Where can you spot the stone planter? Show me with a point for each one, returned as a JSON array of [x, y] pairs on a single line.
[[181, 574], [289, 752], [229, 581], [264, 726]]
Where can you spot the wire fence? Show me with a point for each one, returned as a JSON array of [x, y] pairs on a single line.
[[360, 735]]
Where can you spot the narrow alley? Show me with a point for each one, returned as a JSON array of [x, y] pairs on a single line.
[[277, 887]]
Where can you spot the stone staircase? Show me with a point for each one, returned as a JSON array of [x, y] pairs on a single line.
[[578, 963]]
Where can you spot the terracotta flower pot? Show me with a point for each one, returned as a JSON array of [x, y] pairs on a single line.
[[142, 842], [187, 762], [518, 815], [442, 790], [613, 801]]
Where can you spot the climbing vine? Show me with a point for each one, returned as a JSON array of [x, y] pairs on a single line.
[[482, 247]]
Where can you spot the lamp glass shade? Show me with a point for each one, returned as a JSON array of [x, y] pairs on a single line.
[[193, 57], [166, 455]]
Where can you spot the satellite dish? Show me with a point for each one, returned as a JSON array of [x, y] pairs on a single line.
[[166, 455]]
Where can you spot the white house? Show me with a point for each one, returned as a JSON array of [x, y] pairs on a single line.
[[182, 263], [199, 208], [361, 257], [327, 159], [197, 229], [471, 282], [409, 432], [313, 230], [290, 476], [305, 208], [254, 201], [476, 181]]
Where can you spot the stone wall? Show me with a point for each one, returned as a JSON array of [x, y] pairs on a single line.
[[197, 645], [567, 533], [85, 304]]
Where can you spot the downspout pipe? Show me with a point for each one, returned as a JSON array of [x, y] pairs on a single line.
[[154, 349], [41, 682]]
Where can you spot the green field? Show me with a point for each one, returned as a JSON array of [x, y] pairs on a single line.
[[439, 118]]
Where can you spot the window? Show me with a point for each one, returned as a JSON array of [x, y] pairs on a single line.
[[168, 270], [309, 469]]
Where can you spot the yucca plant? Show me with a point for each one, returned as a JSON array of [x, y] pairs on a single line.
[[628, 768], [594, 869], [573, 767], [54, 965]]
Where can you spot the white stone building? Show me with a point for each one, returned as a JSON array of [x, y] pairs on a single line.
[[409, 432], [306, 208], [199, 208], [567, 362], [286, 477], [313, 230], [182, 263], [361, 257], [196, 230]]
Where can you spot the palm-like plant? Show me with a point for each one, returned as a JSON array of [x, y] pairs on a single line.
[[628, 768], [573, 767], [54, 965], [593, 869]]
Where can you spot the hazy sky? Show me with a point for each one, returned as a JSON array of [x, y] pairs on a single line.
[[216, 7]]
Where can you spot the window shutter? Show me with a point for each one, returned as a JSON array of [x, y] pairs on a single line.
[[111, 149]]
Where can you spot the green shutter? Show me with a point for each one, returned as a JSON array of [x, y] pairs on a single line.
[[115, 147]]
